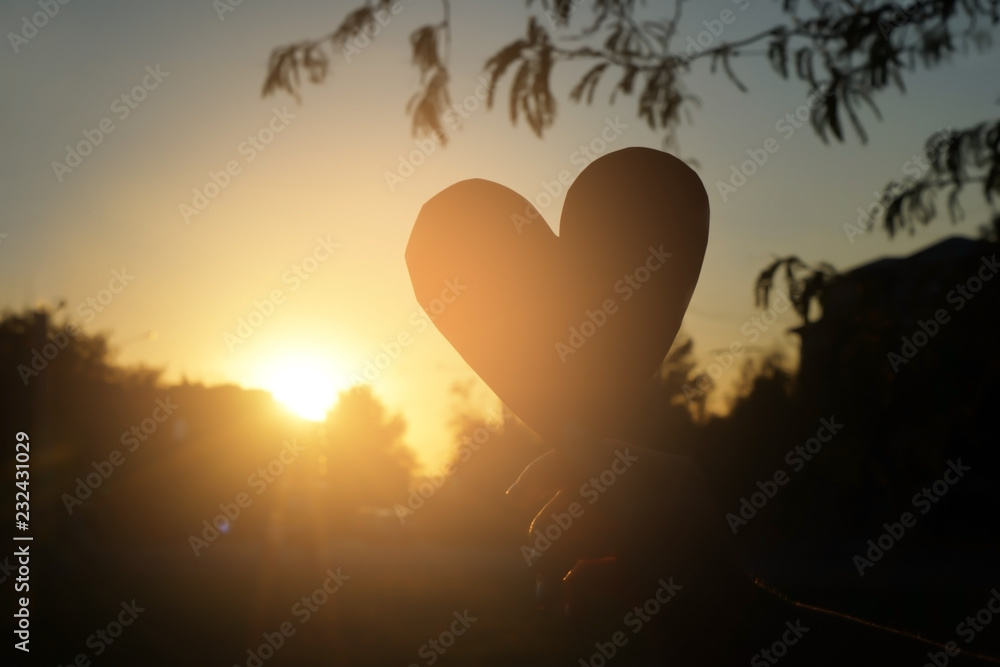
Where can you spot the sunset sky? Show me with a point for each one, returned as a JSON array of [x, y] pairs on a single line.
[[321, 182]]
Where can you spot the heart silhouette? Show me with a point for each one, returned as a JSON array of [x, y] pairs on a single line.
[[569, 328]]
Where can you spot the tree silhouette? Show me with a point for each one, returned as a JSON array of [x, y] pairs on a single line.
[[845, 51], [805, 283], [956, 159], [368, 461]]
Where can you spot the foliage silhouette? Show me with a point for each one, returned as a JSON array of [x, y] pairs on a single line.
[[847, 52], [804, 283]]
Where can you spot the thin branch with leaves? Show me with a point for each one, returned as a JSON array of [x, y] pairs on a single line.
[[844, 51]]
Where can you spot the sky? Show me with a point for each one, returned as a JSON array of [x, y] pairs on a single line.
[[303, 210]]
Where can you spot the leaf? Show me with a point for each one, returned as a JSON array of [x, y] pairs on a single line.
[[281, 71], [777, 55], [871, 105], [588, 83], [991, 182], [429, 105], [833, 116], [803, 64], [541, 110], [497, 65], [855, 122], [611, 43], [625, 84], [425, 49], [729, 72], [517, 89], [955, 210]]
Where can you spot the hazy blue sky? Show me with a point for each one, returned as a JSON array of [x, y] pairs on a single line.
[[323, 176]]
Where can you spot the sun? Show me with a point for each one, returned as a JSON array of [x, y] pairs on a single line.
[[304, 389]]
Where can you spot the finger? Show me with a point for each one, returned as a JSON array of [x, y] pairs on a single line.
[[549, 566], [566, 530], [540, 480], [574, 460]]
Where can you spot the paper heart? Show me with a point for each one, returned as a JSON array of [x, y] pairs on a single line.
[[568, 328]]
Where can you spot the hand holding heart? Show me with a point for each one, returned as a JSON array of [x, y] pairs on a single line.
[[615, 511], [569, 331], [569, 328]]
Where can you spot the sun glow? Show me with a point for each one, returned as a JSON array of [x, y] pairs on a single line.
[[304, 389]]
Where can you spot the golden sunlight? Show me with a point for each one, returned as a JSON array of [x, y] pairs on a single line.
[[304, 389]]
